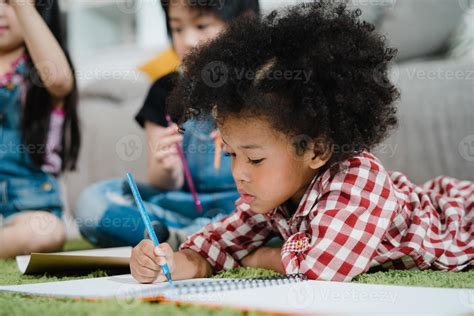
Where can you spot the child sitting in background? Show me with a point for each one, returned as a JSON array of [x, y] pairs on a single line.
[[39, 130], [167, 195], [301, 160]]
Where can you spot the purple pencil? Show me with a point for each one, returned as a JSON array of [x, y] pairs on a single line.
[[187, 173]]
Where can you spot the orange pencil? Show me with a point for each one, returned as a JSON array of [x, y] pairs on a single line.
[[218, 151]]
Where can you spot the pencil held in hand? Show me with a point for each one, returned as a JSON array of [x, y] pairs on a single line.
[[147, 261], [147, 221], [187, 173]]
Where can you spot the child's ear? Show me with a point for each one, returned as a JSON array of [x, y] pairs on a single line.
[[321, 153]]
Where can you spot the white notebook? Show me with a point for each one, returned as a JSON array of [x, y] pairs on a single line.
[[285, 295]]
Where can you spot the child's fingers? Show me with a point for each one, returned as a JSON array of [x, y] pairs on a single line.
[[170, 162], [170, 140], [160, 255], [144, 272], [161, 278], [145, 248], [163, 254], [149, 263], [163, 249], [166, 150], [144, 276], [162, 261], [172, 129], [168, 146], [161, 155], [144, 264]]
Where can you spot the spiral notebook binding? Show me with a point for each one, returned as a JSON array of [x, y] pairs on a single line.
[[218, 285]]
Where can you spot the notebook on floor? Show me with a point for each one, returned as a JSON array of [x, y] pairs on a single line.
[[287, 294], [107, 258]]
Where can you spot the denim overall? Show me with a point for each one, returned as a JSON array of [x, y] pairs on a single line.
[[107, 215], [22, 185]]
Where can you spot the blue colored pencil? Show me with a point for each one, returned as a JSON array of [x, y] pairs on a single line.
[[146, 220]]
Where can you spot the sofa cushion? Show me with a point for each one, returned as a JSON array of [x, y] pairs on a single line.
[[112, 142], [117, 90], [420, 28], [436, 121]]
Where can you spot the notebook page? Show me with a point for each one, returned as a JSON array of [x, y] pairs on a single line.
[[320, 297], [114, 286]]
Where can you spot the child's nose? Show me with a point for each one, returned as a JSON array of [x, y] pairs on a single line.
[[239, 172], [191, 39]]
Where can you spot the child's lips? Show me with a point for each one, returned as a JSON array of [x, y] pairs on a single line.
[[246, 198]]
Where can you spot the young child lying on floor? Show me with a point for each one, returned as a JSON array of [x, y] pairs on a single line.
[[302, 161]]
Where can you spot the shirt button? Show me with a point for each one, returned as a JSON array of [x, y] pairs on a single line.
[[46, 186]]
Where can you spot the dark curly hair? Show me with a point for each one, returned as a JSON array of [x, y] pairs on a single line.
[[311, 70]]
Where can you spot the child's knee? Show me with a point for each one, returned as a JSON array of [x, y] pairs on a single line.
[[94, 201], [46, 232]]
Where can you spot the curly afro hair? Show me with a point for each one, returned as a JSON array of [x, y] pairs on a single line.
[[311, 70]]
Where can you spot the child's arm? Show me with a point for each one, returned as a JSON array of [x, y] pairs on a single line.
[[218, 246], [46, 53], [146, 261], [266, 258], [225, 243]]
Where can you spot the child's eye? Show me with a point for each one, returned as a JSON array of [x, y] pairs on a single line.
[[176, 30], [252, 162], [202, 26], [255, 162]]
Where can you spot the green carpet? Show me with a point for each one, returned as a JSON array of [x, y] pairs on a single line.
[[15, 304]]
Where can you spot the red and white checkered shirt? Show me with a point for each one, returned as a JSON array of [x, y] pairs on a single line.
[[354, 216]]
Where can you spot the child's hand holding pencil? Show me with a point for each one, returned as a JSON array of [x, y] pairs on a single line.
[[166, 154], [147, 261], [152, 261]]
